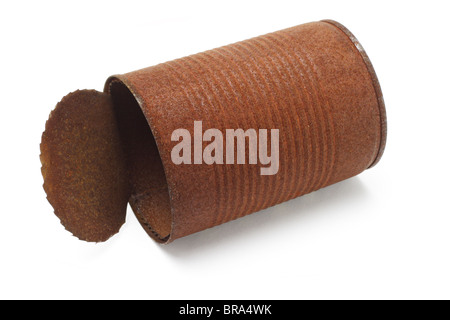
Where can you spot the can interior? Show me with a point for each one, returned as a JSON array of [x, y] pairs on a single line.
[[149, 198]]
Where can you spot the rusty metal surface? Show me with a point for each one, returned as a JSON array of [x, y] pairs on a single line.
[[310, 81], [313, 82], [84, 167]]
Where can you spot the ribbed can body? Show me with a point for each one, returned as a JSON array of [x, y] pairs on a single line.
[[313, 82]]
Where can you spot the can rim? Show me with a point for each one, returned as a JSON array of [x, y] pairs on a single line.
[[376, 86]]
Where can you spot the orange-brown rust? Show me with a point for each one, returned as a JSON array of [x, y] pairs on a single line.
[[84, 167], [313, 82]]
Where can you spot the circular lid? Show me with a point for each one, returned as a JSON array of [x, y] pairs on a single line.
[[84, 166]]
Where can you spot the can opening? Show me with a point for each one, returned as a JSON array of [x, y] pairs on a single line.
[[149, 198]]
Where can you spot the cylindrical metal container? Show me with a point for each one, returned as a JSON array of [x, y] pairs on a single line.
[[314, 83]]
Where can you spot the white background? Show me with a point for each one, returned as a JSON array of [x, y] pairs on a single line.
[[383, 234]]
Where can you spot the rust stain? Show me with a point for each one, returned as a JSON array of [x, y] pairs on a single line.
[[313, 82]]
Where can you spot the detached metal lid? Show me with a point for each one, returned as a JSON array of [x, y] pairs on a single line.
[[83, 165]]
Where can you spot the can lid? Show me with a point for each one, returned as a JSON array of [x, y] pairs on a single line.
[[84, 167]]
